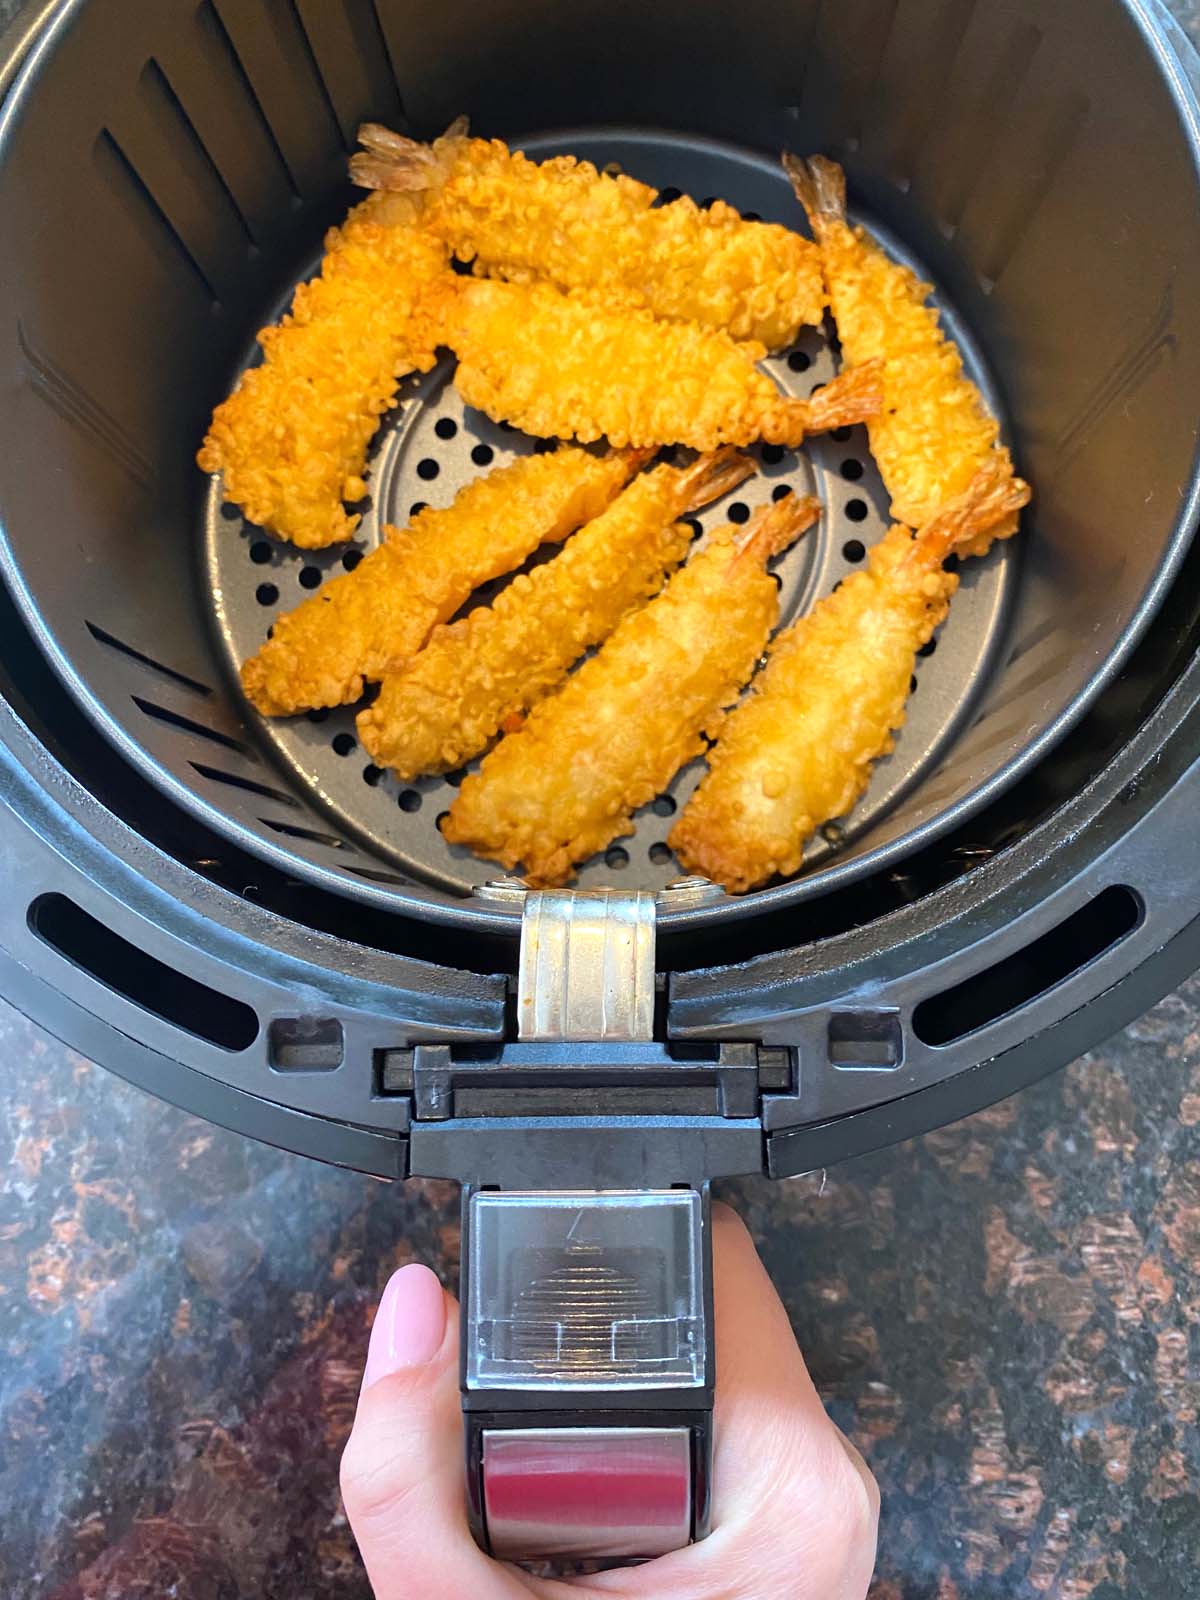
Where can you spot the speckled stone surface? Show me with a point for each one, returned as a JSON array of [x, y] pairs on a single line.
[[1004, 1315]]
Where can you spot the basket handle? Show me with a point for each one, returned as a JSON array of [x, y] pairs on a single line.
[[587, 1372], [587, 1365]]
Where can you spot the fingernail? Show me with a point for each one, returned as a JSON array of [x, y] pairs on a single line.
[[409, 1325]]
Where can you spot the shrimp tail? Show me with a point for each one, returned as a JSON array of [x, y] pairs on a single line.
[[637, 458], [853, 396], [993, 494], [392, 161], [775, 527], [709, 477], [820, 186]]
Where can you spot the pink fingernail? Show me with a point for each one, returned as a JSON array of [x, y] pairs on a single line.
[[409, 1325]]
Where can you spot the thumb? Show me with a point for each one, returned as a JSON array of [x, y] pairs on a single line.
[[402, 1470]]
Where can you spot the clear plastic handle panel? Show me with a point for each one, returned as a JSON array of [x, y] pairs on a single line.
[[587, 1371]]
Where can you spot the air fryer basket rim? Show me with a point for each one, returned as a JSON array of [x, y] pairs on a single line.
[[56, 834], [58, 839], [452, 912]]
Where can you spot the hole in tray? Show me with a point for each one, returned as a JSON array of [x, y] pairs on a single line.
[[481, 455], [310, 577], [266, 594], [352, 558], [427, 468], [616, 858], [445, 427], [852, 470], [1041, 965], [409, 800], [260, 552], [857, 510], [738, 512], [781, 491], [660, 853], [854, 550], [799, 360], [663, 805], [343, 743]]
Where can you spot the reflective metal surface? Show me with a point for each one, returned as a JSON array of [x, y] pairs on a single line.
[[587, 966], [587, 1492]]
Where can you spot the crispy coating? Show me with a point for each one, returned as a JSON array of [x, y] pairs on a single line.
[[576, 366], [621, 727], [934, 431], [478, 675], [798, 751], [363, 623], [563, 221], [292, 438]]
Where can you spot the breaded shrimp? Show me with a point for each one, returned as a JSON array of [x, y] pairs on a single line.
[[292, 438], [934, 431], [563, 221], [618, 731], [363, 623], [798, 751], [575, 366], [477, 676]]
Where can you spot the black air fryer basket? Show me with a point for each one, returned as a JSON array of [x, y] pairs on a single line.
[[253, 922]]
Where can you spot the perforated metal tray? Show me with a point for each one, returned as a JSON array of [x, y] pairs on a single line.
[[430, 445]]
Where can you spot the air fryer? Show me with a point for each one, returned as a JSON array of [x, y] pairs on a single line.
[[251, 920]]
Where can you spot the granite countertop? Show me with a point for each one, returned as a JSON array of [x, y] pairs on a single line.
[[1004, 1315]]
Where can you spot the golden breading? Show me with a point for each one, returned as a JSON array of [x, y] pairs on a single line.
[[292, 438], [478, 675], [575, 366], [363, 623], [563, 221], [934, 431], [618, 731], [798, 751]]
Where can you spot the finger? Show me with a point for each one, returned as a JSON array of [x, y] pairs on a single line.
[[795, 1509], [768, 1416], [402, 1470]]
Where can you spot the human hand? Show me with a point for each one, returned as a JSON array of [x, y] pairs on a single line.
[[795, 1508]]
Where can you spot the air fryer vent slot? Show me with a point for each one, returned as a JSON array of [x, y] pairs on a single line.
[[103, 637], [175, 719], [140, 977], [234, 780], [1028, 973]]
